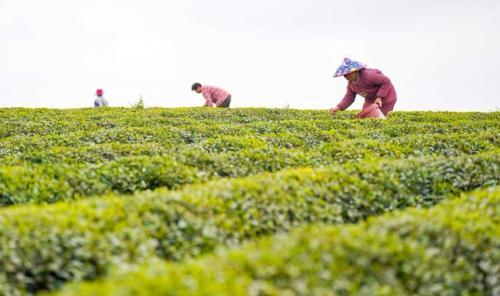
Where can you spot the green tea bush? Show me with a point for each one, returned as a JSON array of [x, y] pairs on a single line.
[[76, 186], [452, 249], [52, 183], [67, 173], [41, 247]]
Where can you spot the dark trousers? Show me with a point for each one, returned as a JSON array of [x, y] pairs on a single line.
[[226, 103]]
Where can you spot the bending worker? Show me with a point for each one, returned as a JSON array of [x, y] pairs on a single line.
[[213, 95], [371, 84]]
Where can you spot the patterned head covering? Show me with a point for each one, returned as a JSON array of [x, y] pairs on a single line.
[[348, 66]]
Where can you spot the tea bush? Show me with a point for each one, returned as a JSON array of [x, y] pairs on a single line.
[[83, 191], [41, 247], [54, 155], [452, 249]]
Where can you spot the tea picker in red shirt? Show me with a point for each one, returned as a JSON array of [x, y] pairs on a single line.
[[371, 84], [213, 95]]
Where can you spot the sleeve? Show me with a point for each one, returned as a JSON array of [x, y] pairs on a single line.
[[347, 100], [208, 97], [383, 82]]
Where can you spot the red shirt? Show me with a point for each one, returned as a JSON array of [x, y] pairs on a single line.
[[371, 84], [214, 95]]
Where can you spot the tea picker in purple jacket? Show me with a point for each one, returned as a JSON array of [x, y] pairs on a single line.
[[371, 84]]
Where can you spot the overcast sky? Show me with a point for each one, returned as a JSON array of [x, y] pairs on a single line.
[[440, 55]]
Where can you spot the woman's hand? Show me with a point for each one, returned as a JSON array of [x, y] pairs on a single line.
[[378, 101], [334, 110]]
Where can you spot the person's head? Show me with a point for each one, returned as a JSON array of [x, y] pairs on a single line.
[[196, 87], [353, 76], [99, 92]]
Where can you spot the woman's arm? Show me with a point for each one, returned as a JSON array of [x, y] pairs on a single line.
[[208, 97], [347, 100]]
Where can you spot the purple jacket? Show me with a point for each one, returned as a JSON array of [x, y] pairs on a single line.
[[371, 84]]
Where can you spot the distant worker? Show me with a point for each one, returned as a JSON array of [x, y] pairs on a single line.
[[213, 95], [371, 84], [100, 101]]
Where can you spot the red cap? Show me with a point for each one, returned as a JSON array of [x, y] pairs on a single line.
[[99, 92]]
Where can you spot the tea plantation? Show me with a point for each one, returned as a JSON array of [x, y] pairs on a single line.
[[248, 202]]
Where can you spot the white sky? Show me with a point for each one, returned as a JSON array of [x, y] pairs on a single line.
[[440, 55]]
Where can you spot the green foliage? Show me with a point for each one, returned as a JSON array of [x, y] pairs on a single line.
[[48, 156], [42, 247], [83, 191], [139, 104], [452, 249]]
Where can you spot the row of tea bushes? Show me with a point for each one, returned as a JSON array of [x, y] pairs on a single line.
[[42, 247], [131, 168], [37, 122], [189, 126], [80, 152], [451, 249]]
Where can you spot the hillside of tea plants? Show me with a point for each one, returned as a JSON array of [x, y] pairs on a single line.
[[197, 201]]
